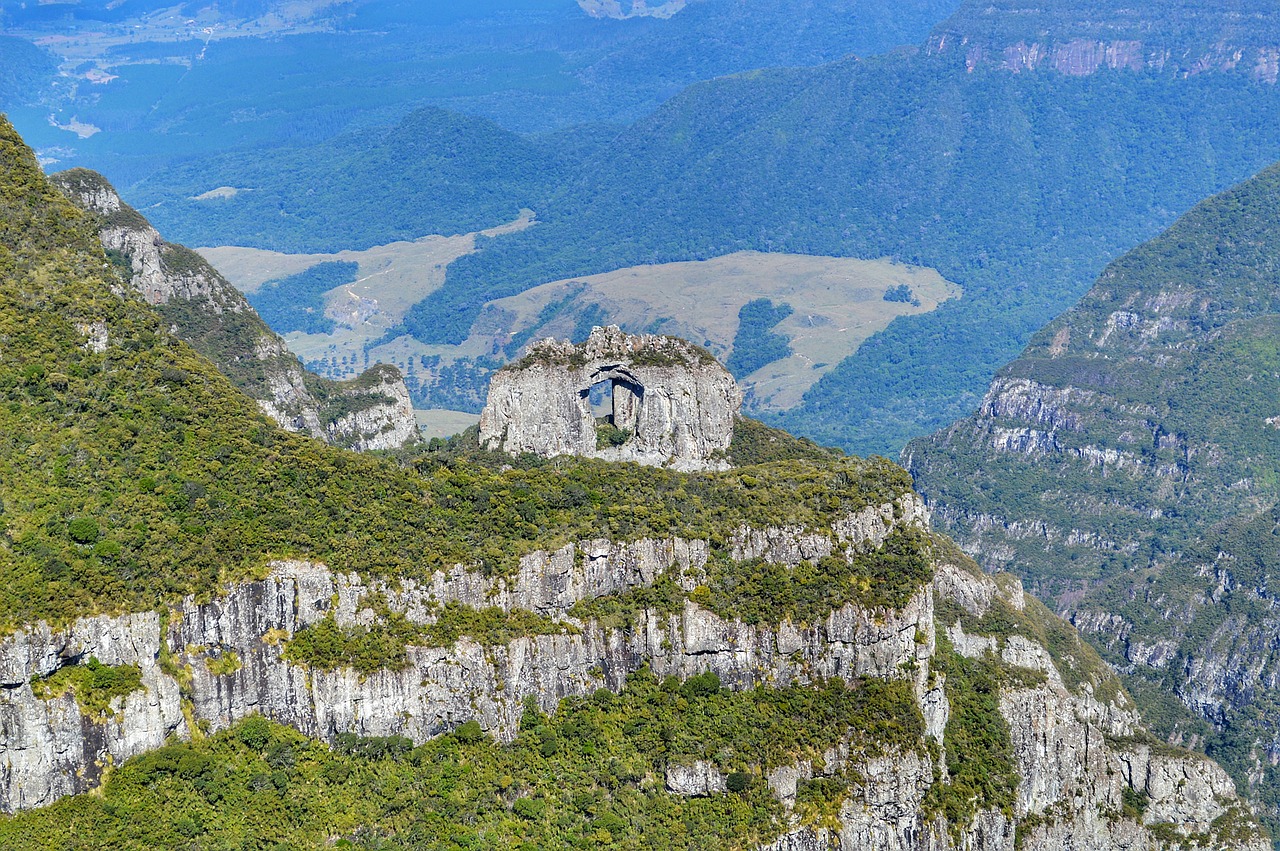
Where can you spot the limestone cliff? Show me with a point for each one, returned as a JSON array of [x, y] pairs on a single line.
[[370, 412], [631, 9], [672, 404], [1076, 744]]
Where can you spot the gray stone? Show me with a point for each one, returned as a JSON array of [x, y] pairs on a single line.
[[163, 274], [676, 404]]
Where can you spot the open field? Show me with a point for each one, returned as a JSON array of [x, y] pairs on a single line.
[[440, 422], [391, 278], [838, 303]]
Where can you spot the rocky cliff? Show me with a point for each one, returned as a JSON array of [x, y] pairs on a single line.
[[370, 412], [1075, 745], [633, 9], [671, 403], [1188, 37], [1125, 465]]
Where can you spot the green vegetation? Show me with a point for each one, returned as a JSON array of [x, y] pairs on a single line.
[[225, 663], [608, 435], [755, 344], [980, 769], [24, 70], [901, 293], [976, 175], [1077, 662], [190, 486], [756, 443], [758, 592], [93, 684], [296, 303], [588, 777], [1158, 494], [367, 649]]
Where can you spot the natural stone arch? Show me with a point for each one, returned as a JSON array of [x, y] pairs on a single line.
[[626, 392], [677, 403]]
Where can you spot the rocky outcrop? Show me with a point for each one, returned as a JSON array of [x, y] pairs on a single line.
[[369, 412], [1022, 37], [1076, 755], [377, 412], [632, 8], [1124, 466], [698, 780], [672, 404]]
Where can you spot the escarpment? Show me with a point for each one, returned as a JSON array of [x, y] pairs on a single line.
[[369, 412], [1074, 746], [182, 579], [1187, 38], [1124, 465]]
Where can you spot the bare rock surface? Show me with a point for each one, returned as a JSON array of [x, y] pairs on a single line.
[[672, 406], [1075, 754], [370, 412]]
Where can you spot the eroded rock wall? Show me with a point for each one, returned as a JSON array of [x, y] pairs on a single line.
[[210, 314], [1075, 754], [673, 404]]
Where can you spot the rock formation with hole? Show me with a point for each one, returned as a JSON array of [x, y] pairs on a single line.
[[673, 404]]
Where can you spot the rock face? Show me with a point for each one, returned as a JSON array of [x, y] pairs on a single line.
[[672, 404], [622, 9], [1124, 465], [1076, 755], [369, 412], [1079, 39]]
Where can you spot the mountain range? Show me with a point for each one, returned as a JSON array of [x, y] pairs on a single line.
[[1125, 466], [234, 635], [920, 155]]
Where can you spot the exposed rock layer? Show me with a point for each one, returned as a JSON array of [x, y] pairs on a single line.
[[672, 403], [1069, 748], [369, 412], [1125, 465]]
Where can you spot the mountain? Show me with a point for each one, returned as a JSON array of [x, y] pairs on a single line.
[[972, 171], [961, 161], [1125, 466], [369, 412], [233, 635], [1185, 37], [146, 84], [435, 172]]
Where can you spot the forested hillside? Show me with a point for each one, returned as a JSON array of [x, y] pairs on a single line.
[[238, 573], [1125, 465], [972, 169], [975, 174], [161, 85]]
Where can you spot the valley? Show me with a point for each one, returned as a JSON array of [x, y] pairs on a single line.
[[480, 478], [835, 303]]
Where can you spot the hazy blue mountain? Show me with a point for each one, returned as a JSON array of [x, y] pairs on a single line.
[[530, 65], [978, 174]]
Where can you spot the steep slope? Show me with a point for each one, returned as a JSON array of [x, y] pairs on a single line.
[[173, 566], [435, 172], [1101, 461], [1186, 37], [370, 412]]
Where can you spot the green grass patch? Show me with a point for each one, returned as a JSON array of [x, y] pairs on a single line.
[[93, 684]]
